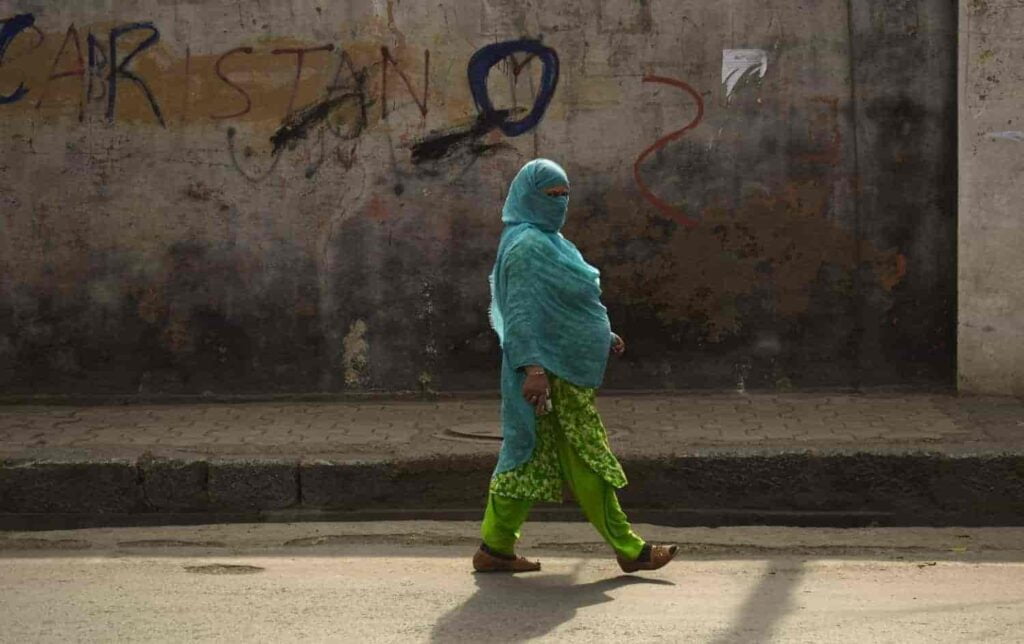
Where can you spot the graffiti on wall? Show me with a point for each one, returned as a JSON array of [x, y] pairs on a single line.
[[329, 123], [12, 27], [488, 117], [331, 97], [342, 109], [668, 210]]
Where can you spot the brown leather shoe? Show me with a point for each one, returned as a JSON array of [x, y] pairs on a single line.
[[660, 555], [484, 561]]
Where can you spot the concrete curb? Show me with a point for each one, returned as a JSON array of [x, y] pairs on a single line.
[[709, 488]]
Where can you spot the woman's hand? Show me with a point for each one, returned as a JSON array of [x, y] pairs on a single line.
[[536, 389], [618, 345]]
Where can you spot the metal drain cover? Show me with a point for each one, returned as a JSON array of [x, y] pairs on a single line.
[[477, 431], [484, 432]]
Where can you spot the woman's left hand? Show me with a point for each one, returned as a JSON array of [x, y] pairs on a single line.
[[618, 345]]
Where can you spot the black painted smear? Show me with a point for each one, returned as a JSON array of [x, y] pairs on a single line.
[[441, 144], [298, 124]]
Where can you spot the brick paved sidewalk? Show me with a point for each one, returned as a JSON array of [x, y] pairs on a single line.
[[638, 424]]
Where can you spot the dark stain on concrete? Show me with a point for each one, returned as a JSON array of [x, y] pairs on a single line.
[[169, 543], [400, 539], [201, 317], [29, 543], [224, 569]]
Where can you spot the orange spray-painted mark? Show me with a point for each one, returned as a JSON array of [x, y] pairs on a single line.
[[893, 275], [377, 210], [823, 131], [666, 208]]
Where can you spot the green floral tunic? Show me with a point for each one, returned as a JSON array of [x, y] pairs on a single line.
[[575, 417]]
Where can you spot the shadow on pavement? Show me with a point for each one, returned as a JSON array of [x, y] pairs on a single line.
[[769, 601], [516, 608]]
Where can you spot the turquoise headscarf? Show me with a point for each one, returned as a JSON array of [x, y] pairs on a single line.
[[545, 304]]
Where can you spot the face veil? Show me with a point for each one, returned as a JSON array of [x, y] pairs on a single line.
[[528, 203]]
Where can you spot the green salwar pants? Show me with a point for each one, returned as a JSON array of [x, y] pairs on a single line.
[[572, 447]]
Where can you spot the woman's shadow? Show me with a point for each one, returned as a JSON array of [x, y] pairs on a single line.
[[515, 608]]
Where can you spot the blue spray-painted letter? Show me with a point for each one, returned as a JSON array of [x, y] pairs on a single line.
[[12, 27], [121, 69], [480, 66]]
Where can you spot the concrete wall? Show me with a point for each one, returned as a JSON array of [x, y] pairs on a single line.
[[991, 290], [191, 204]]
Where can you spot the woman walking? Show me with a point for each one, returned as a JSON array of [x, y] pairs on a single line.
[[555, 338]]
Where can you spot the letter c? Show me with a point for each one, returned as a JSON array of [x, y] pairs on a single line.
[[12, 27]]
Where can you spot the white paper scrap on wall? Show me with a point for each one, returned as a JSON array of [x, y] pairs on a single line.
[[1010, 135], [737, 62]]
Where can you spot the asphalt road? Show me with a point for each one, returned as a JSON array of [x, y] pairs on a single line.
[[411, 582]]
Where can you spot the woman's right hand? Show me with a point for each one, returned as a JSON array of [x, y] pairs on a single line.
[[536, 389]]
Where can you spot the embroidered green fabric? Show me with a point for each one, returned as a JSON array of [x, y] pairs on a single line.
[[574, 416]]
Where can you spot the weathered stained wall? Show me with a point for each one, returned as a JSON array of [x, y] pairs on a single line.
[[190, 204], [991, 322]]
